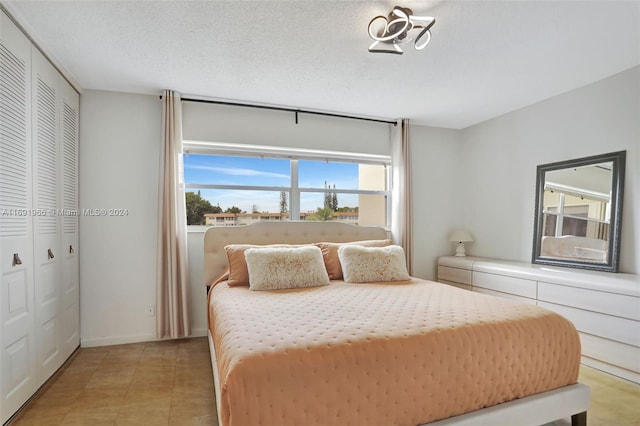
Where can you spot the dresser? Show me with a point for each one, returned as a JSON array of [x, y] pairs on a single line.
[[604, 307]]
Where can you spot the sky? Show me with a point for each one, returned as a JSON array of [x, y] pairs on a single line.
[[223, 170]]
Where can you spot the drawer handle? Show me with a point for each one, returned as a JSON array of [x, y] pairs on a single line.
[[50, 254], [71, 251], [16, 260]]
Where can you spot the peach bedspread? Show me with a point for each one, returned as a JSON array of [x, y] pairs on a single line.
[[380, 354]]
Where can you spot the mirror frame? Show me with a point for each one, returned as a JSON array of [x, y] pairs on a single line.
[[617, 191]]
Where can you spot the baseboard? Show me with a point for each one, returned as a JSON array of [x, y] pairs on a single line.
[[123, 340], [612, 370], [198, 332]]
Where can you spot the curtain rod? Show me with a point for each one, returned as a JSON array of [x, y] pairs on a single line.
[[294, 110]]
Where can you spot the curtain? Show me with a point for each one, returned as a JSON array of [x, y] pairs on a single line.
[[172, 292], [401, 204]]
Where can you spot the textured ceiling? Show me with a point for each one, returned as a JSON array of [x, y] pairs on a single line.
[[486, 58]]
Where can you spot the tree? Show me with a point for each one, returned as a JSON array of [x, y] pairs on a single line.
[[283, 202], [197, 207], [330, 197], [327, 196], [334, 200], [347, 209], [323, 214], [233, 209], [254, 209]]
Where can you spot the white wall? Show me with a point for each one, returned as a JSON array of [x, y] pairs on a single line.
[[197, 286], [499, 159], [437, 199], [119, 158]]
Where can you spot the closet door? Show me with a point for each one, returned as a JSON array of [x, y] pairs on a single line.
[[18, 379], [70, 332], [46, 101]]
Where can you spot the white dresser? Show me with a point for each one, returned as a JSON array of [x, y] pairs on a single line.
[[604, 307]]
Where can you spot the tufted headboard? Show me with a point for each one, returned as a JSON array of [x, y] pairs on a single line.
[[216, 238]]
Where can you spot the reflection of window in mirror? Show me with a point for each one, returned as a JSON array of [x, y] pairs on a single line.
[[580, 216]]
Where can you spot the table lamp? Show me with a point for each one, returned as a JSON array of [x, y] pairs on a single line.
[[460, 236]]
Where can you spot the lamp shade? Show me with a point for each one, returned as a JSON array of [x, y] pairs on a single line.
[[460, 236]]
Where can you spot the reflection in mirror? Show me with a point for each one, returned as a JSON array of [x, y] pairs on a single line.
[[578, 212]]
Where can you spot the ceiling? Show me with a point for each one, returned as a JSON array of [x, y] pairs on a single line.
[[486, 58]]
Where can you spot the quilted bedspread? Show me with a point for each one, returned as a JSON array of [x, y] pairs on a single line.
[[380, 354]]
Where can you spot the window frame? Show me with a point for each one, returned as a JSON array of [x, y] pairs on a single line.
[[293, 155]]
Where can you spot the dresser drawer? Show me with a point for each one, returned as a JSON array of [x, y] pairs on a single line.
[[505, 295], [624, 356], [615, 328], [456, 275], [504, 284], [591, 300]]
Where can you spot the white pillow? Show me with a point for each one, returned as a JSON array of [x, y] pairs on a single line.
[[277, 268], [373, 264]]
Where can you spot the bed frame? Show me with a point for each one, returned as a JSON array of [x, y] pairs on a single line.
[[535, 410]]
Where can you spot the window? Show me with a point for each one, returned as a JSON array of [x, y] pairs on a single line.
[[235, 189]]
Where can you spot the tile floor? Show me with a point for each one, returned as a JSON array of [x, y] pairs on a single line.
[[614, 402], [158, 383], [170, 383]]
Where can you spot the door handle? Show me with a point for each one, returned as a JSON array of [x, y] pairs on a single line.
[[50, 254], [16, 260]]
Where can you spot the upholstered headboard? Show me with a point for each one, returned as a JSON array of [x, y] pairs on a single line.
[[216, 238]]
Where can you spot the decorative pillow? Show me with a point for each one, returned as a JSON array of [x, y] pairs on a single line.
[[238, 273], [330, 254], [277, 268], [373, 264]]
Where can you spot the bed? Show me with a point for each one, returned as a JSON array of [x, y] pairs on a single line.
[[408, 352]]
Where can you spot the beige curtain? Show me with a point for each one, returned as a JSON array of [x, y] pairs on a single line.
[[401, 205], [172, 292]]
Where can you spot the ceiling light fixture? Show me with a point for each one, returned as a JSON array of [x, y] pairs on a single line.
[[394, 30]]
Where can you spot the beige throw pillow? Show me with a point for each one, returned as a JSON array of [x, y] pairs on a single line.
[[238, 273], [373, 264], [330, 254], [285, 267]]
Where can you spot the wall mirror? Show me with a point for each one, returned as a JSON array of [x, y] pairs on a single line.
[[579, 212]]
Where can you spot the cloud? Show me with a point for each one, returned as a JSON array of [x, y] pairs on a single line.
[[233, 171]]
